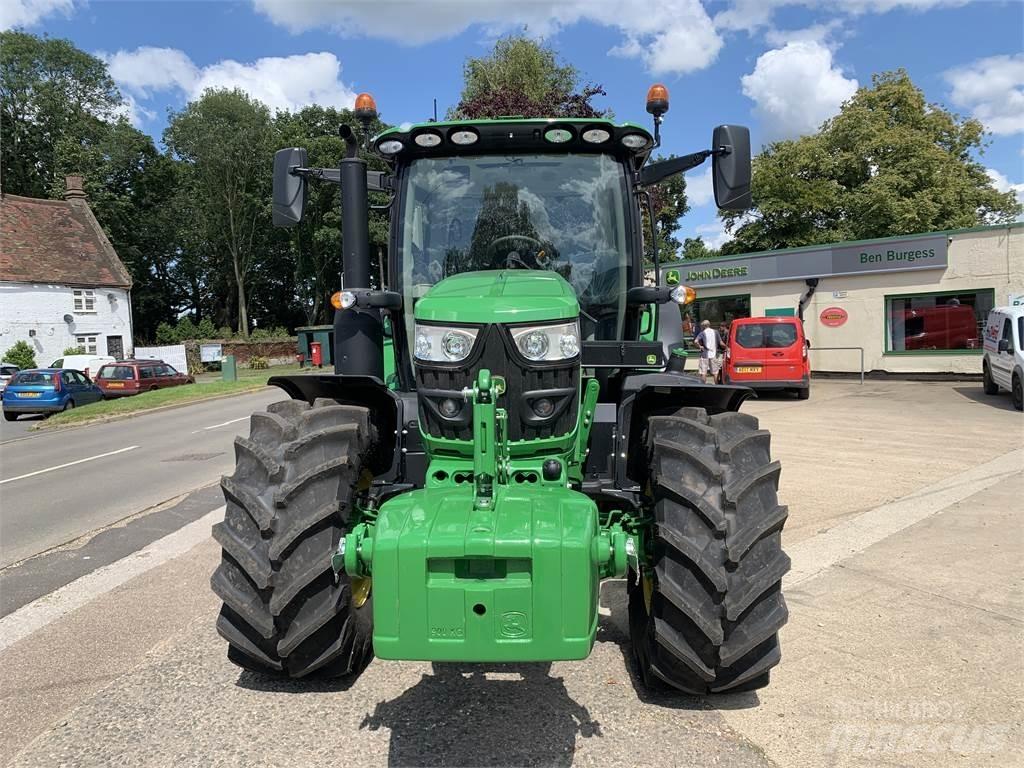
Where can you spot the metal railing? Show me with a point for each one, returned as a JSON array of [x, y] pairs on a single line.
[[840, 349]]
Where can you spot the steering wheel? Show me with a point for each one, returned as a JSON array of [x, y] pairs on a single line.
[[539, 257]]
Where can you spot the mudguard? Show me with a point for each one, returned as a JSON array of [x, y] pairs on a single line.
[[399, 454], [644, 394]]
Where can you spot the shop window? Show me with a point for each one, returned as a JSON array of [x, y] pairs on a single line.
[[718, 310], [930, 323]]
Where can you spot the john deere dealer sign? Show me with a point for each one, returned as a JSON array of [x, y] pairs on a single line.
[[850, 259]]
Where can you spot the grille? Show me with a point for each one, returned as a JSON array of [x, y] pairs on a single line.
[[525, 382]]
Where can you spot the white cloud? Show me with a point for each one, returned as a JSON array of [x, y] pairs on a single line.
[[993, 89], [26, 13], [671, 36], [752, 15], [289, 82], [713, 234], [795, 88], [816, 33], [1003, 184], [148, 69], [700, 188]]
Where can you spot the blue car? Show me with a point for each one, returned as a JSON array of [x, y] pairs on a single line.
[[47, 390]]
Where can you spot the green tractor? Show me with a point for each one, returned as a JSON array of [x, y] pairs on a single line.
[[508, 424]]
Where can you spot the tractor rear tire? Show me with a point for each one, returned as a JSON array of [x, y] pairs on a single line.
[[705, 618], [288, 503]]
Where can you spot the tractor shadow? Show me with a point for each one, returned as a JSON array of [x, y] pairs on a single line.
[[527, 721], [614, 628]]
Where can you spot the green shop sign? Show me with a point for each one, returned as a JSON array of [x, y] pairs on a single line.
[[897, 255]]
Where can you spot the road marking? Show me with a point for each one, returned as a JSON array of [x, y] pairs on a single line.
[[69, 464], [813, 556], [224, 424], [47, 609]]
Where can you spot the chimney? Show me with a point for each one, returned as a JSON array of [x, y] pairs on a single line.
[[73, 188]]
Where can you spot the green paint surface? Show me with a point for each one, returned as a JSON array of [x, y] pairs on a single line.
[[499, 296], [517, 582]]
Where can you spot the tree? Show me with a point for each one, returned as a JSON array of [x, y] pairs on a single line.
[[524, 77], [49, 91], [696, 248], [669, 203], [21, 355], [226, 139], [888, 164]]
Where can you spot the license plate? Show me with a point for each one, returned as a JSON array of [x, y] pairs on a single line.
[[117, 385], [748, 369], [30, 394]]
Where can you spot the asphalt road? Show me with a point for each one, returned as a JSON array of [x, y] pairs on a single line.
[[902, 649], [60, 485]]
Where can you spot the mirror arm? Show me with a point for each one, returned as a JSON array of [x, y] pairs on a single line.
[[376, 181], [655, 172]]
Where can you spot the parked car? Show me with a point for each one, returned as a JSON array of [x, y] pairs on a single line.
[[768, 353], [47, 390], [129, 377], [1002, 365], [7, 370], [87, 364]]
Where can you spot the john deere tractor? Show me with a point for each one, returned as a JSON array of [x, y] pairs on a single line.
[[509, 422]]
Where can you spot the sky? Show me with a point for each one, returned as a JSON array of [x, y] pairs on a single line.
[[780, 66]]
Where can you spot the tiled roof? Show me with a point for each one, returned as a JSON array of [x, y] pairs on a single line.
[[58, 242]]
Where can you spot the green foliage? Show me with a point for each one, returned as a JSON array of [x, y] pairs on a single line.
[[50, 91], [21, 355], [669, 203], [258, 363], [166, 334], [225, 140], [74, 351], [186, 329], [270, 334], [225, 333], [888, 164], [206, 329], [696, 248], [523, 77]]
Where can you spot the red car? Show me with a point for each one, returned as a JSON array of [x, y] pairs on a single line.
[[129, 377], [768, 353]]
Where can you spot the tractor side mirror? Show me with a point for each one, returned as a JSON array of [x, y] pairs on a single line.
[[730, 167], [289, 189]]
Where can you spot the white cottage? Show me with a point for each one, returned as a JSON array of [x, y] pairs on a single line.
[[61, 283]]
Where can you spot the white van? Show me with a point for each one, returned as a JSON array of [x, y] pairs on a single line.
[[1003, 362], [87, 364]]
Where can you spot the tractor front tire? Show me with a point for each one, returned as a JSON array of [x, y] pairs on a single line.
[[705, 618], [288, 503]]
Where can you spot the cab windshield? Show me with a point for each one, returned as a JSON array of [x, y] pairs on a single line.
[[562, 213]]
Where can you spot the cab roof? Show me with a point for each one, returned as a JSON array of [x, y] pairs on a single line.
[[512, 135]]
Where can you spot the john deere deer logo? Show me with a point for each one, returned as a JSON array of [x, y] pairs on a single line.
[[514, 624]]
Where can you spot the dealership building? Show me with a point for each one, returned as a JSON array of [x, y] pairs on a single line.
[[913, 304]]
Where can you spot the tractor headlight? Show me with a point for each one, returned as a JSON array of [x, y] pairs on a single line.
[[548, 342], [441, 344]]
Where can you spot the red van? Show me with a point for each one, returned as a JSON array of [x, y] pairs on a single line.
[[768, 353]]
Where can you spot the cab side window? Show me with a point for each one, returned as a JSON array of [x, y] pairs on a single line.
[[1007, 332]]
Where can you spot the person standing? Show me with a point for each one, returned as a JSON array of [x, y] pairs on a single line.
[[707, 342]]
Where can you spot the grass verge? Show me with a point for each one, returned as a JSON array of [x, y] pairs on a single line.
[[149, 400]]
